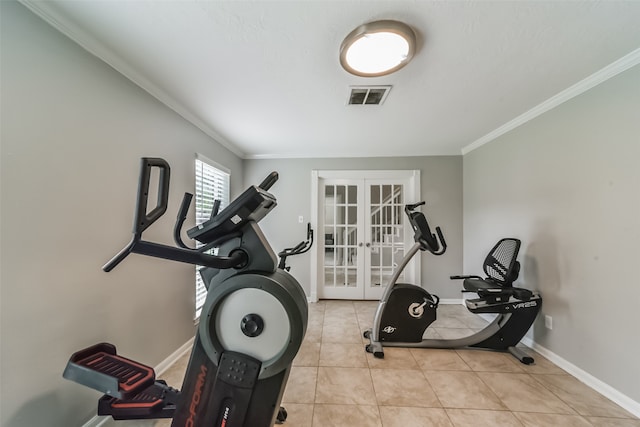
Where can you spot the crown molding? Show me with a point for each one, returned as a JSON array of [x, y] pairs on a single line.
[[47, 12], [338, 155], [611, 70]]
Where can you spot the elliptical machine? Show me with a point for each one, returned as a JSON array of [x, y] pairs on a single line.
[[405, 311], [251, 327]]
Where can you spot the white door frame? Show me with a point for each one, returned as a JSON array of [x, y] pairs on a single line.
[[317, 176]]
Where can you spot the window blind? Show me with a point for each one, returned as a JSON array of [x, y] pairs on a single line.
[[212, 183]]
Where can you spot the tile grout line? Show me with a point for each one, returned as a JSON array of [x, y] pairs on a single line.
[[373, 386], [315, 394], [424, 375], [513, 413], [567, 403]]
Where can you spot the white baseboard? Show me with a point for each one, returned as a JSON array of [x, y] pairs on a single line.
[[96, 421], [601, 387], [160, 369]]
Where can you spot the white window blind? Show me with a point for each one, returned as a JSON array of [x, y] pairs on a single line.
[[212, 183]]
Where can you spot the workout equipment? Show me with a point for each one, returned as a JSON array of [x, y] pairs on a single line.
[[502, 268], [251, 327], [405, 310], [299, 249]]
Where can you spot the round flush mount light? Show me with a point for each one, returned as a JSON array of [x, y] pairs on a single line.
[[378, 48]]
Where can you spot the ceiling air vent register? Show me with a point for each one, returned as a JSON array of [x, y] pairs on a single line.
[[367, 95]]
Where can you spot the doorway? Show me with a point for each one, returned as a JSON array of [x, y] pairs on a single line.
[[362, 231]]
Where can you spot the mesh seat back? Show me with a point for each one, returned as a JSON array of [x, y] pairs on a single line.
[[501, 264]]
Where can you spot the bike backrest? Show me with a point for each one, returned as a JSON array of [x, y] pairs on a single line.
[[501, 264]]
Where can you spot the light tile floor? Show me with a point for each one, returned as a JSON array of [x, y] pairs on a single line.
[[334, 382]]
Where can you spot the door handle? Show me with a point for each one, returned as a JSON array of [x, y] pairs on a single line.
[[368, 245], [360, 244]]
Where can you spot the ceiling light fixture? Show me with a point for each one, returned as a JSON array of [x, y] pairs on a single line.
[[378, 48]]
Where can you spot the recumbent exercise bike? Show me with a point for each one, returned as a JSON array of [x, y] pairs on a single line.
[[251, 327], [405, 310]]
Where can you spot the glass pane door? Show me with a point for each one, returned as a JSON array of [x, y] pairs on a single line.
[[386, 235], [342, 256], [361, 232]]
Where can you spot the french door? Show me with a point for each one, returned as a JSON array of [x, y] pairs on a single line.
[[362, 231]]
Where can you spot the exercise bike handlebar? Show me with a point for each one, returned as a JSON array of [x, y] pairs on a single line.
[[411, 208], [443, 243], [434, 243]]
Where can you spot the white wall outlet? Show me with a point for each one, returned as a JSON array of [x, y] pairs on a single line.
[[548, 322], [300, 219]]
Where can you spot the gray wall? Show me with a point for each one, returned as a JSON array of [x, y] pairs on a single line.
[[441, 187], [73, 130], [567, 184]]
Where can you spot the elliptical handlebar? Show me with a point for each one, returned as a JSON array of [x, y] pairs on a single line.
[[182, 216], [268, 182], [434, 243], [144, 219], [299, 249]]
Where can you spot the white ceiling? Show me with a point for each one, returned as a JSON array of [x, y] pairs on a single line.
[[263, 77]]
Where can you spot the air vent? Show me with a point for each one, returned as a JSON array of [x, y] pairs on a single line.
[[368, 95]]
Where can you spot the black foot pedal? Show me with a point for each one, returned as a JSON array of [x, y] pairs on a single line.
[[156, 401], [100, 368]]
